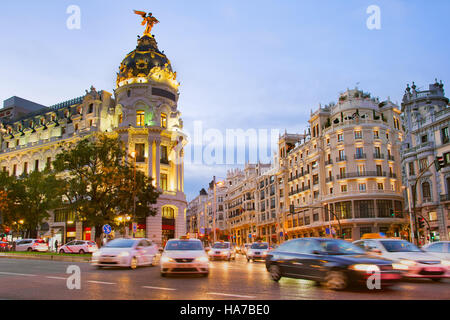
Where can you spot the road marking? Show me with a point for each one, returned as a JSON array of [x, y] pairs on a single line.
[[100, 282], [59, 278], [230, 295], [160, 288], [18, 274]]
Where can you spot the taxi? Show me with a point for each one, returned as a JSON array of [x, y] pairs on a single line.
[[222, 250], [184, 255], [257, 251]]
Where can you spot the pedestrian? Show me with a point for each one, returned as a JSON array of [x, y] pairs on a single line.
[[56, 246]]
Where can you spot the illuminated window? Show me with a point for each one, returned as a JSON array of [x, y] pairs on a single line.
[[140, 118], [163, 181], [163, 120], [25, 168], [120, 118], [380, 186]]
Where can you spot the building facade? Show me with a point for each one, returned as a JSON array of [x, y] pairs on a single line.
[[344, 175], [426, 118], [142, 112]]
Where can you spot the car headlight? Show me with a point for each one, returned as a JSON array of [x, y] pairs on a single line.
[[210, 252], [224, 253], [365, 267], [445, 263], [123, 254], [96, 254], [408, 263], [167, 259], [202, 259], [264, 253]]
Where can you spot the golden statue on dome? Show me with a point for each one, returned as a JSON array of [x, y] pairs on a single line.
[[149, 20]]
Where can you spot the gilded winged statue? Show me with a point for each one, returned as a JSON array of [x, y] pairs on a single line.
[[149, 20]]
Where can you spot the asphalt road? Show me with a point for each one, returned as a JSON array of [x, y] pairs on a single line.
[[40, 279]]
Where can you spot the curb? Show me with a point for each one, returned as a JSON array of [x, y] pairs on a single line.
[[45, 257]]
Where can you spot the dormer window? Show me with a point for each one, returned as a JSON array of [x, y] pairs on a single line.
[[42, 121], [80, 110], [31, 123], [91, 108]]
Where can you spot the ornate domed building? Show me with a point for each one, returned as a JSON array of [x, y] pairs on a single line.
[[143, 112], [150, 125]]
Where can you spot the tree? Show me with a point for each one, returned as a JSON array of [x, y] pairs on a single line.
[[99, 182], [29, 198]]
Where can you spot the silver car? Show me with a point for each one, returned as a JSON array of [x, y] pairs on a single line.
[[440, 249]]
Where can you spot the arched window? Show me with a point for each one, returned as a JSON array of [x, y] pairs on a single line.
[[140, 118], [426, 191], [167, 213]]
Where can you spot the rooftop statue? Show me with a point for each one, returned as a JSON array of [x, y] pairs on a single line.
[[149, 21]]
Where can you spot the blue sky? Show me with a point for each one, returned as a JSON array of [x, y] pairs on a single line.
[[242, 64]]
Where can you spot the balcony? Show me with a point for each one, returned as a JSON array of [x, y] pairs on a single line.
[[360, 156], [391, 158], [445, 197], [378, 156], [328, 162], [164, 161], [361, 174], [343, 158], [329, 179]]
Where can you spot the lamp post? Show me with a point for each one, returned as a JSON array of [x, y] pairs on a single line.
[[133, 155]]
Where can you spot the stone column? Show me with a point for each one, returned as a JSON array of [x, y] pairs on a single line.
[[158, 161]]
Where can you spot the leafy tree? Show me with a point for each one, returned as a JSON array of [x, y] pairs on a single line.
[[100, 182], [29, 198]]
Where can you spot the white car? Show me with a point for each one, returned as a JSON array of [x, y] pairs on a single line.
[[184, 256], [126, 253], [79, 246], [257, 251], [222, 250], [31, 245], [440, 249], [414, 262], [245, 248]]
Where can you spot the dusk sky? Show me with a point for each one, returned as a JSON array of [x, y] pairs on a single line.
[[241, 64]]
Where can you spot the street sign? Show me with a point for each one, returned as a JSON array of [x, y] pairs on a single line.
[[249, 235], [134, 227], [106, 229], [327, 230]]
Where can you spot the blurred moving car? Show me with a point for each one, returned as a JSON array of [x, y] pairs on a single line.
[[257, 251], [222, 250], [184, 256], [126, 253], [335, 263], [79, 246], [440, 249], [408, 258], [245, 248], [31, 245]]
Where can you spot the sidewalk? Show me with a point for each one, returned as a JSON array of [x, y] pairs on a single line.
[[38, 256]]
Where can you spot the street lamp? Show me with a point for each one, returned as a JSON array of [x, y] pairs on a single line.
[[133, 155]]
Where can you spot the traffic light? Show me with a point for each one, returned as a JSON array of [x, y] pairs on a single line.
[[421, 222], [439, 162], [391, 213]]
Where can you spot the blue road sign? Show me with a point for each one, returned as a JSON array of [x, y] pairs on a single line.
[[106, 229]]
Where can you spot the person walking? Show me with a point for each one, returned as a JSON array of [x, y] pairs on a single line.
[[56, 246]]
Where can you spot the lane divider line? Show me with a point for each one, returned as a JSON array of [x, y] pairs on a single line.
[[100, 282], [230, 295], [59, 278], [18, 274], [159, 288]]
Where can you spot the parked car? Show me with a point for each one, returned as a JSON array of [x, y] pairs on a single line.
[[126, 253], [222, 250], [333, 262], [31, 245], [414, 262], [79, 246], [184, 256], [440, 249], [257, 251]]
